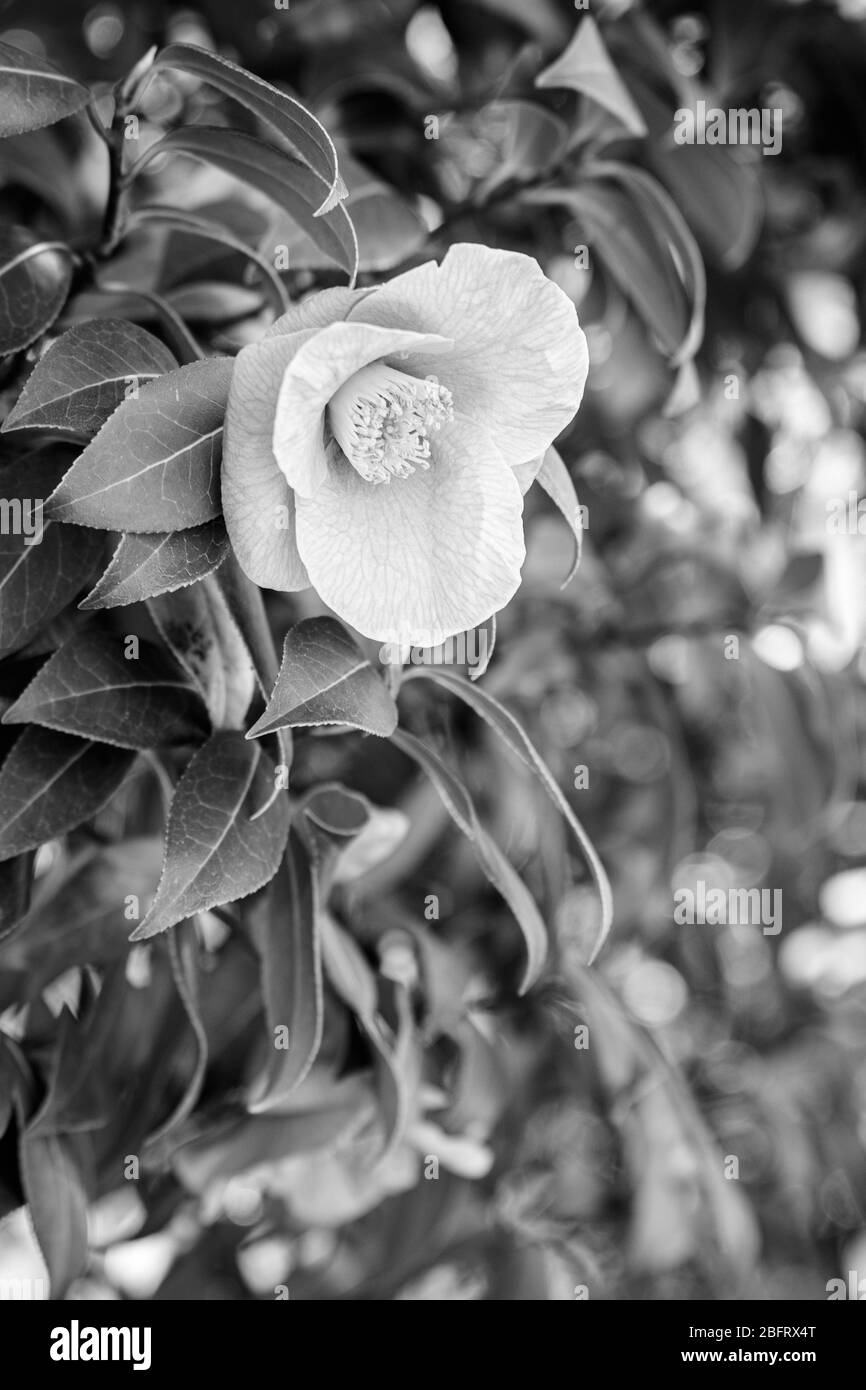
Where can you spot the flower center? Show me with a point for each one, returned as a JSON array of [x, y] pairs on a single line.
[[382, 420]]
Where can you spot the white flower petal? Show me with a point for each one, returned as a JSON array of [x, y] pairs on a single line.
[[420, 559], [316, 311], [317, 371], [258, 504], [520, 359], [526, 473]]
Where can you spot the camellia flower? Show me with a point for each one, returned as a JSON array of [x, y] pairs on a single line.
[[378, 442]]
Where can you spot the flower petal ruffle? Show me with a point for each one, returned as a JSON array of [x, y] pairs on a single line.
[[258, 504], [519, 362], [316, 372], [423, 558]]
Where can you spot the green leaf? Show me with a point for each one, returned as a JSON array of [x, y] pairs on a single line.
[[286, 181], [80, 916], [684, 263], [154, 465], [91, 689], [528, 139], [51, 1175], [396, 1061], [214, 853], [38, 580], [77, 1097], [389, 230], [496, 867], [145, 565], [719, 193], [510, 731], [586, 67], [555, 478], [50, 783], [35, 92], [326, 679], [286, 116], [34, 282], [285, 930], [160, 1142], [197, 226], [634, 244], [85, 374], [16, 878], [199, 629]]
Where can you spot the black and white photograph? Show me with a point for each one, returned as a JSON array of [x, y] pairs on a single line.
[[432, 670]]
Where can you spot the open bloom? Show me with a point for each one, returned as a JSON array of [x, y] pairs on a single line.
[[378, 442]]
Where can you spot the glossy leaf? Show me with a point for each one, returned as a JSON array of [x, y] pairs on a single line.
[[388, 228], [496, 867], [286, 181], [285, 928], [38, 578], [555, 478], [286, 116], [214, 852], [51, 1175], [513, 735], [35, 92], [145, 565], [586, 67], [50, 783], [34, 282], [636, 255], [326, 679], [90, 688], [86, 373], [198, 627], [154, 465]]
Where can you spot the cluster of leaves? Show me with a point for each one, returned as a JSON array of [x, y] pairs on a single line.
[[252, 966]]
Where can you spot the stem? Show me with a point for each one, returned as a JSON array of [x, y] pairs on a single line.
[[246, 607], [116, 205]]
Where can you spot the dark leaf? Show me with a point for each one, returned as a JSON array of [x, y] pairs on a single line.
[[38, 579], [586, 67], [16, 877], [202, 227], [326, 679], [389, 230], [684, 264], [498, 870], [719, 193], [276, 109], [84, 909], [183, 968], [528, 140], [214, 853], [51, 1173], [199, 629], [287, 182], [51, 782], [635, 253], [286, 932], [34, 281], [154, 465], [397, 1061], [92, 689], [145, 565], [35, 93], [85, 375], [76, 1098], [513, 735]]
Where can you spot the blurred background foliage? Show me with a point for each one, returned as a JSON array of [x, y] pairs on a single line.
[[722, 292]]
